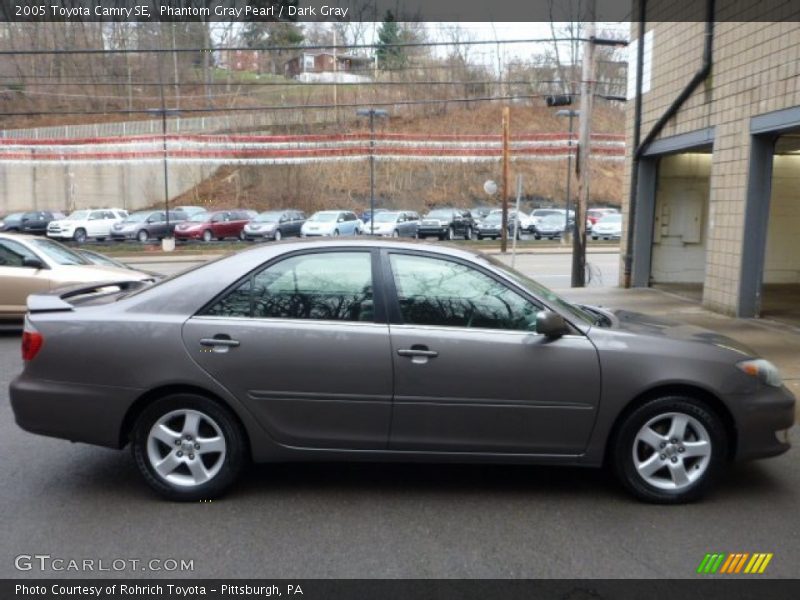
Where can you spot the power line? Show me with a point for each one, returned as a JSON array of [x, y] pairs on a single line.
[[294, 48], [157, 111]]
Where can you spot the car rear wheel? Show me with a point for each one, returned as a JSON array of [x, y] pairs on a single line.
[[468, 233], [207, 235], [670, 450], [143, 236], [188, 447], [79, 236]]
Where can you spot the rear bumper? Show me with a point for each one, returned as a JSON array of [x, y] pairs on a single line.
[[762, 422], [76, 412], [432, 230]]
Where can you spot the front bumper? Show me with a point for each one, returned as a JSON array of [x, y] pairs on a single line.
[[123, 235], [60, 235], [76, 412], [259, 235], [432, 230], [762, 421], [188, 235]]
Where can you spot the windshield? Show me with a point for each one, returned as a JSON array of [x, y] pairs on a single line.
[[611, 219], [137, 217], [544, 213], [553, 219], [78, 215], [440, 214], [268, 217], [58, 253], [200, 217], [542, 292], [495, 217], [385, 217], [12, 216], [324, 217]]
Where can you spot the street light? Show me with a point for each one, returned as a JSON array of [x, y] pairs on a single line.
[[571, 114], [372, 113]]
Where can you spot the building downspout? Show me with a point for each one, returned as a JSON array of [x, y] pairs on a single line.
[[699, 77]]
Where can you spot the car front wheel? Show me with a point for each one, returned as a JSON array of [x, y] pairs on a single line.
[[670, 450], [188, 447], [207, 236], [143, 236], [278, 235], [79, 236]]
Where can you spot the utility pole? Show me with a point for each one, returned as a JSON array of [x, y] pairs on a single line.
[[335, 79], [584, 151], [504, 231]]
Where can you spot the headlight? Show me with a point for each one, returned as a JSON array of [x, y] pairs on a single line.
[[764, 370]]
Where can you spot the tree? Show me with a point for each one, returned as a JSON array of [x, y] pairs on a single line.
[[390, 56]]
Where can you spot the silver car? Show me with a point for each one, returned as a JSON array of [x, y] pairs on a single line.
[[371, 350]]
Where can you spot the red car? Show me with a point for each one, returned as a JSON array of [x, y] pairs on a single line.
[[219, 224]]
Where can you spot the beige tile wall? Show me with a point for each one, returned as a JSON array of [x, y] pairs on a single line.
[[756, 70]]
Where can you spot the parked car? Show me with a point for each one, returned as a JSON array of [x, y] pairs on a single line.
[[442, 339], [332, 223], [595, 214], [552, 226], [367, 214], [35, 222], [146, 224], [218, 225], [31, 264], [96, 258], [190, 211], [526, 222], [275, 225], [447, 224], [608, 228], [82, 225], [401, 223], [11, 221], [480, 212], [492, 227]]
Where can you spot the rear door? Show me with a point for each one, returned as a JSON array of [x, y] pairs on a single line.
[[18, 281], [305, 344], [471, 373]]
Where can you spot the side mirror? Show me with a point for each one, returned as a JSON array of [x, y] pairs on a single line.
[[551, 324], [32, 263]]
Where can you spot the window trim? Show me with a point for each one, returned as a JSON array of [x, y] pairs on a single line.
[[393, 301], [378, 295]]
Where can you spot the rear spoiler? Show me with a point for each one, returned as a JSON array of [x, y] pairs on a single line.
[[56, 301]]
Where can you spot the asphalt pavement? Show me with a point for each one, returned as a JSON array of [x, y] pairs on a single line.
[[73, 501]]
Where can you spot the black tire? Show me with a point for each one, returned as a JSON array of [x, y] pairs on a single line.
[[335, 233], [395, 234], [622, 449], [479, 236], [278, 235], [242, 235], [79, 236], [536, 236], [143, 236], [233, 462], [207, 236], [451, 234], [468, 233]]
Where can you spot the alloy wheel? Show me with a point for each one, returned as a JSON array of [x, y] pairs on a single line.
[[186, 448], [671, 451]]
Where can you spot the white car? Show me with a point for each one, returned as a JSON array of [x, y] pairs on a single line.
[[526, 222], [82, 225], [608, 228], [332, 223]]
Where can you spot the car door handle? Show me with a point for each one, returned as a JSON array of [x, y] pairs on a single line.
[[412, 352], [219, 341]]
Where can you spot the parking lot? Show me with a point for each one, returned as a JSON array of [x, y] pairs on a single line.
[[376, 520]]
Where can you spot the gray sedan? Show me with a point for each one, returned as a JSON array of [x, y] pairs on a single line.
[[370, 350]]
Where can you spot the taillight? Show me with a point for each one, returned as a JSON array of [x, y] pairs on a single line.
[[32, 341]]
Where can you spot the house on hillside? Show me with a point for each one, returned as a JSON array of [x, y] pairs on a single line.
[[326, 62]]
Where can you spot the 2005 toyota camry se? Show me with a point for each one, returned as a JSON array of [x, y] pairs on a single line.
[[368, 350]]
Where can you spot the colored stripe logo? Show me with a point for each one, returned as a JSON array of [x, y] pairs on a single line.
[[735, 563]]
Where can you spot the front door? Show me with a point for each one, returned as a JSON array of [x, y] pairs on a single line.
[[300, 344], [472, 374]]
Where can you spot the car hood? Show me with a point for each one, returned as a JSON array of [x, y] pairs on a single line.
[[643, 324]]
